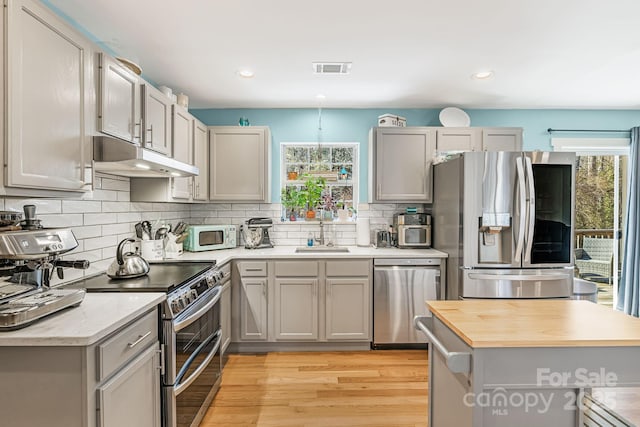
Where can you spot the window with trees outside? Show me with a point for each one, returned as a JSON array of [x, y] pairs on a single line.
[[319, 181], [601, 192]]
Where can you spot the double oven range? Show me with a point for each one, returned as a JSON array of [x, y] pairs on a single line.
[[191, 333]]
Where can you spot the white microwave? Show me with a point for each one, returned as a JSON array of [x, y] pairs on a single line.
[[210, 237]]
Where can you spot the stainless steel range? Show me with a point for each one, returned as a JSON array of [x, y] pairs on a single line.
[[191, 333], [27, 260]]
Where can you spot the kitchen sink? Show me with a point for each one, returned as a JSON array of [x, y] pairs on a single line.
[[321, 249]]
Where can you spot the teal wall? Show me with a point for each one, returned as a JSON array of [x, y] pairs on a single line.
[[352, 125]]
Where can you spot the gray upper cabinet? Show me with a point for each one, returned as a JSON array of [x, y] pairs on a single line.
[[201, 160], [501, 139], [49, 100], [156, 115], [182, 149], [119, 106], [401, 164], [459, 139], [239, 162]]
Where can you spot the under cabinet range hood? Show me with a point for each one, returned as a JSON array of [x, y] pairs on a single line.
[[119, 157]]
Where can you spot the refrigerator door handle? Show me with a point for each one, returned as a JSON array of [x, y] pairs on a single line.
[[528, 277], [532, 211], [522, 202]]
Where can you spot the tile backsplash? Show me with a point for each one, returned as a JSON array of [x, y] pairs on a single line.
[[101, 220], [99, 223]]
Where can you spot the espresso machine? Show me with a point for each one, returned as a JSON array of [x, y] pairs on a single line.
[[255, 233], [28, 258]]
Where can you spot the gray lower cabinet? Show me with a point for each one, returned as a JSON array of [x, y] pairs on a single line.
[[225, 316], [249, 301], [114, 382], [132, 396], [348, 300], [301, 301], [295, 308], [348, 308]]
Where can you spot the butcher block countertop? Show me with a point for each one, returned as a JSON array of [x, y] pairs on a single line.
[[537, 323]]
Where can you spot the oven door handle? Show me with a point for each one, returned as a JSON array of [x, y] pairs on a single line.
[[181, 386], [193, 313]]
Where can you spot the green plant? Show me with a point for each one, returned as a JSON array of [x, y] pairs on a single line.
[[312, 191], [292, 200]]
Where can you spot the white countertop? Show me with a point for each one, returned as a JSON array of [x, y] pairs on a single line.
[[289, 252], [97, 316]]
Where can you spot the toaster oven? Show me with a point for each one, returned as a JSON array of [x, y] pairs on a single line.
[[413, 230]]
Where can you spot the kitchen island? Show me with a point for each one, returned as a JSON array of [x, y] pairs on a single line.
[[525, 362]]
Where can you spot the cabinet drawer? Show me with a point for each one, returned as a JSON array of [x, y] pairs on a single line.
[[120, 348], [253, 268], [297, 268], [348, 268]]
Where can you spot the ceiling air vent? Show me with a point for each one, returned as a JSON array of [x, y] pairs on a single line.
[[332, 67]]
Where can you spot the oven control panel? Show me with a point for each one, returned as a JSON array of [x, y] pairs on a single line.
[[188, 294]]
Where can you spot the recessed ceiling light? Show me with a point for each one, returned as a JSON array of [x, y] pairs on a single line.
[[483, 75], [246, 73], [175, 174]]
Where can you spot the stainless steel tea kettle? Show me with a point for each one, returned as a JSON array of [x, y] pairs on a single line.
[[128, 265]]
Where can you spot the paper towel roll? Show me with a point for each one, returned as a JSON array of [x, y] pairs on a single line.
[[363, 237]]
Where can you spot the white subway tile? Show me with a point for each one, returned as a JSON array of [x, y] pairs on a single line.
[[86, 231], [235, 214], [114, 229], [141, 207], [81, 206], [245, 206], [128, 217], [98, 218], [43, 206], [115, 207], [61, 220], [99, 242], [105, 195], [124, 196], [97, 182]]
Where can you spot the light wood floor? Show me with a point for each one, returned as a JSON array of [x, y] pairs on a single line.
[[373, 389]]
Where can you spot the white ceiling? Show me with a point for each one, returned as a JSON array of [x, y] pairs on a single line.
[[405, 53]]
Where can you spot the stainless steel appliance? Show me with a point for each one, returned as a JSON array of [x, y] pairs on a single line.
[[27, 260], [506, 220], [412, 230], [209, 237], [255, 233], [191, 333], [400, 289]]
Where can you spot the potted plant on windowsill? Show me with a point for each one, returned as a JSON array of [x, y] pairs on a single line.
[[312, 193], [291, 199]]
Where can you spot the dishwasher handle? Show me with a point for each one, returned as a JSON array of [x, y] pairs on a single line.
[[407, 267], [457, 362]]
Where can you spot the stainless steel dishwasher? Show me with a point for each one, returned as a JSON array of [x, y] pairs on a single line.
[[400, 289]]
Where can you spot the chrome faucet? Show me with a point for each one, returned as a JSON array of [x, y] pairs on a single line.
[[320, 238]]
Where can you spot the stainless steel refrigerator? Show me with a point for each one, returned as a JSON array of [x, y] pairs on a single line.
[[506, 220]]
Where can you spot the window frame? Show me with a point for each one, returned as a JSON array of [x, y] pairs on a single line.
[[355, 169]]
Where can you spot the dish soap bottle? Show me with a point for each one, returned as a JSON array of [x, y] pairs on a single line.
[[310, 239]]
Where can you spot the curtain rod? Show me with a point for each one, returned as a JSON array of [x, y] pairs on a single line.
[[550, 130]]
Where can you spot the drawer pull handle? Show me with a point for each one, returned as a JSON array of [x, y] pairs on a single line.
[[457, 362], [139, 340], [253, 269]]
